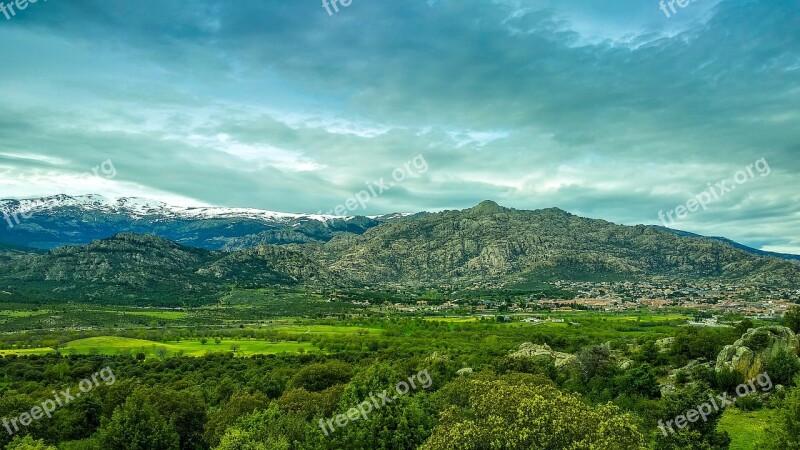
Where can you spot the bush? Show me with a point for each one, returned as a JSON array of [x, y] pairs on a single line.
[[783, 367], [640, 381], [727, 380], [750, 402], [792, 319], [758, 340], [541, 365]]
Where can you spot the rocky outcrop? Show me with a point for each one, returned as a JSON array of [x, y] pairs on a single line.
[[530, 350], [690, 367], [750, 354], [464, 372], [665, 344]]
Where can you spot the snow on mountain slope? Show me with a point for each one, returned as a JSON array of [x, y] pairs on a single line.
[[140, 207]]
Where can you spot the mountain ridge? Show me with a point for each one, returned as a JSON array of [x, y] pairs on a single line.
[[63, 220], [503, 244], [484, 246]]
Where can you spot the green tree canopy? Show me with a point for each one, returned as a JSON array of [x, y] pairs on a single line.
[[501, 415]]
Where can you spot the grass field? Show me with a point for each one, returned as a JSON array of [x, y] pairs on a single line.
[[109, 345], [452, 319], [324, 329], [167, 315], [746, 428], [26, 351], [15, 313]]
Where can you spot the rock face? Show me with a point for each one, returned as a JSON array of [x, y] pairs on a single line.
[[751, 353], [530, 350]]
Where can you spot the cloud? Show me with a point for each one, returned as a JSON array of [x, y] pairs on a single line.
[[606, 109]]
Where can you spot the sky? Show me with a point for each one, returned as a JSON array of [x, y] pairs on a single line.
[[609, 110]]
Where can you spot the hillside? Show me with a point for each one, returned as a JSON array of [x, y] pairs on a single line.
[[484, 246], [489, 243], [149, 270]]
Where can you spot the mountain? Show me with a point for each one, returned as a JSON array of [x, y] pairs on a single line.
[[61, 220], [490, 244], [484, 246], [734, 244], [149, 270]]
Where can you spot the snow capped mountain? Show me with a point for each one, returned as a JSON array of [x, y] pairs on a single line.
[[141, 207], [68, 220]]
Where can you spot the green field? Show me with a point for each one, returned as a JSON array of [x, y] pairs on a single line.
[[168, 315], [324, 329], [110, 345], [15, 313], [747, 429], [452, 319], [27, 351]]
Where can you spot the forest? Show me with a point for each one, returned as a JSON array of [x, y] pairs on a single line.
[[581, 379]]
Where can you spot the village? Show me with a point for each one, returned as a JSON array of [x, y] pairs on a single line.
[[763, 302]]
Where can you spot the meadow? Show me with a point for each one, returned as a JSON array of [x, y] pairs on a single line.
[[113, 345]]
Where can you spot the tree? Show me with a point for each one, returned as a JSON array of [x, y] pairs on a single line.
[[80, 420], [184, 411], [649, 353], [791, 319], [783, 367], [700, 435], [318, 377], [311, 404], [595, 361], [240, 404], [520, 417], [138, 425], [271, 429], [742, 327], [28, 443], [786, 435], [639, 380], [695, 342], [535, 365], [161, 352]]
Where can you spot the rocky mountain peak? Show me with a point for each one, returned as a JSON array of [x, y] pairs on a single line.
[[487, 207]]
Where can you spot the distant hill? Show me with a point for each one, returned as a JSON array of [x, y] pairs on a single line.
[[149, 270], [734, 244], [490, 243]]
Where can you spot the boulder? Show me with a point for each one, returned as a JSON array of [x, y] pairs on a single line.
[[531, 350], [750, 354], [689, 368]]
